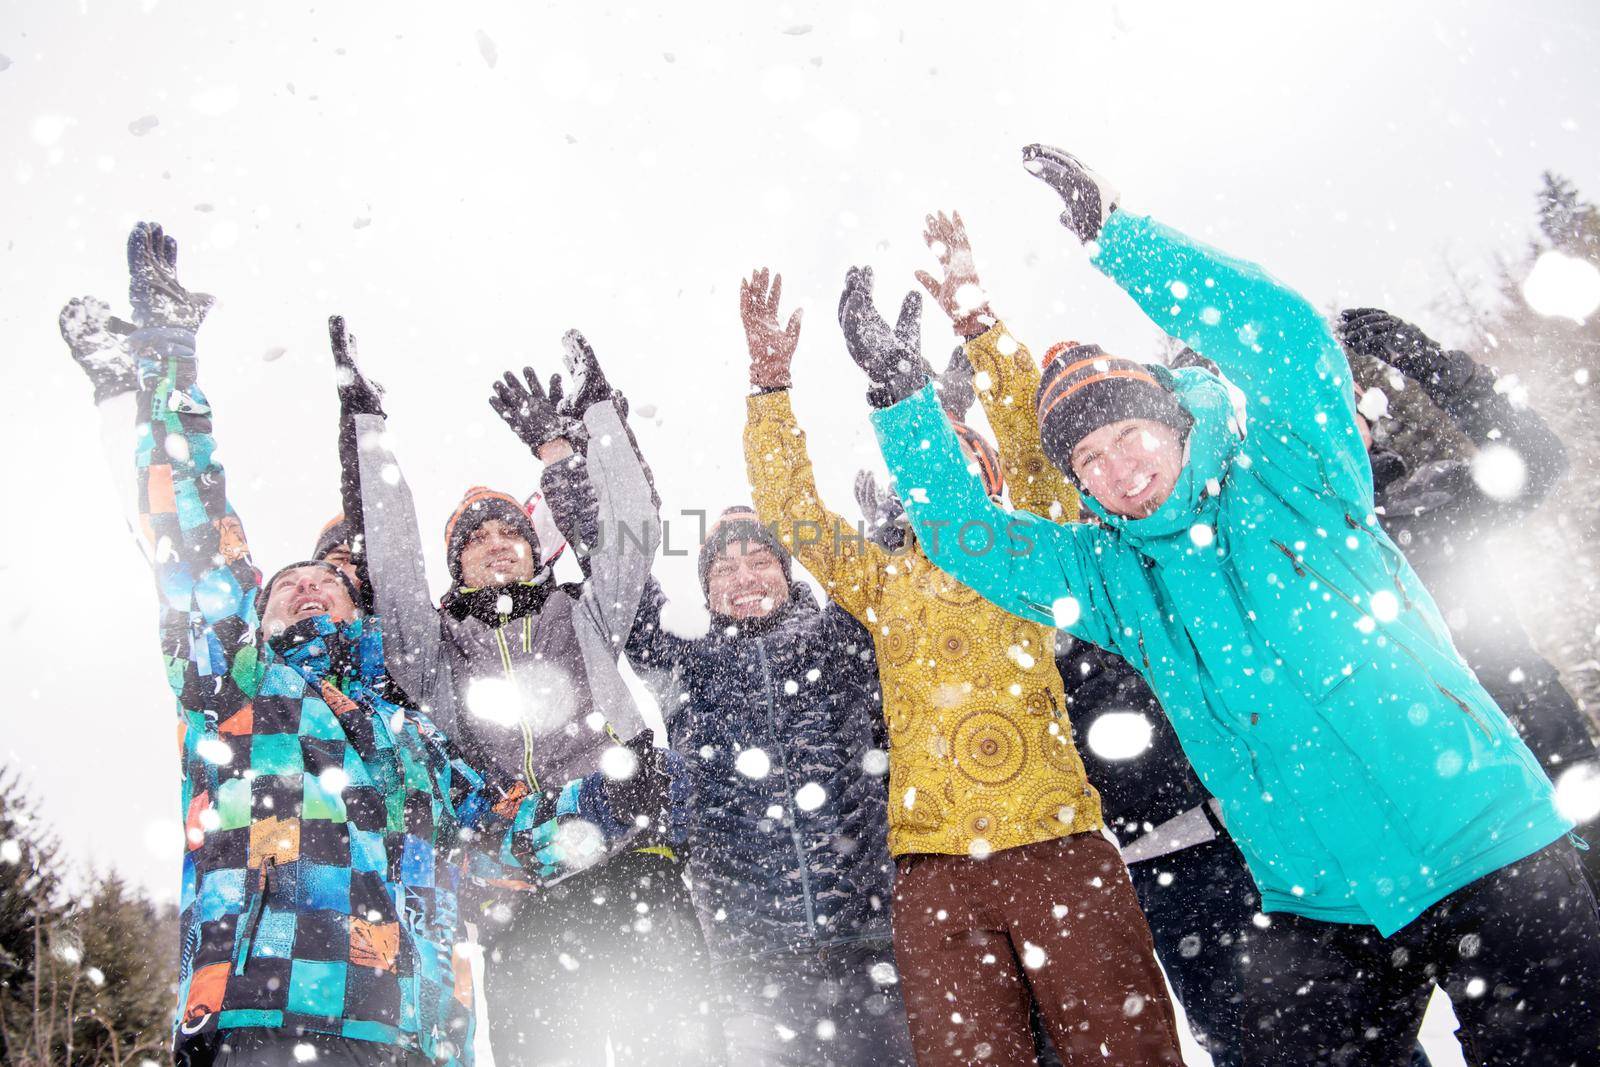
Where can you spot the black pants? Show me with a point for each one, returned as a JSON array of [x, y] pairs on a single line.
[[1200, 903], [828, 1007], [614, 953], [1518, 951], [263, 1047]]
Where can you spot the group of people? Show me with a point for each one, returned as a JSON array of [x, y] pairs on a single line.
[[870, 834]]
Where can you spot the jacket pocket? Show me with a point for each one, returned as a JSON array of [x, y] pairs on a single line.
[[250, 922]]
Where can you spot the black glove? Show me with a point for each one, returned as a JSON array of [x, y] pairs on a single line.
[[157, 297], [528, 411], [956, 390], [892, 358], [1377, 334], [885, 515], [358, 394], [589, 384], [647, 791], [99, 346], [1089, 198]]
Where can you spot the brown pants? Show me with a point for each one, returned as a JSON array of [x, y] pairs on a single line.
[[1056, 922]]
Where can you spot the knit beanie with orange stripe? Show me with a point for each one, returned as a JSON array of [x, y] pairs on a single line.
[[994, 481], [477, 507], [1082, 389]]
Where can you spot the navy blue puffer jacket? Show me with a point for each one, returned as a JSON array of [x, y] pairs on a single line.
[[780, 722]]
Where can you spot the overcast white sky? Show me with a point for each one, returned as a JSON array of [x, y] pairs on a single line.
[[467, 181]]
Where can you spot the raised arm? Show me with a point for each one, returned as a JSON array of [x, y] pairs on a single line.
[[618, 551], [205, 577], [1267, 338], [1026, 564], [378, 500], [781, 479], [1466, 391], [1004, 374]]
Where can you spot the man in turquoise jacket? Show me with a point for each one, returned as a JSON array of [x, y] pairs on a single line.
[[1384, 803]]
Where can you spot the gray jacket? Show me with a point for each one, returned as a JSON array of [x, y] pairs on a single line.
[[538, 697]]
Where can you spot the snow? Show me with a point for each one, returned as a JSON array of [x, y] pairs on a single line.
[[618, 763], [810, 797], [1562, 286], [214, 750], [1033, 957], [1499, 472], [333, 780], [495, 700], [1120, 735], [753, 763], [10, 851], [1578, 793]]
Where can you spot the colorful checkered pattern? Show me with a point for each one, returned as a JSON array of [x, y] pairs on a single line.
[[322, 820]]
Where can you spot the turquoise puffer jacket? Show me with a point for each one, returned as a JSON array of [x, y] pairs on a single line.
[[1310, 678]]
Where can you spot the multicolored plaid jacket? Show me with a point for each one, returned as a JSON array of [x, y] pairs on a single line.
[[318, 882]]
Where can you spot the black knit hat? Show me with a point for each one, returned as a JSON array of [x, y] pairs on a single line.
[[740, 523], [1083, 389], [266, 590], [338, 531]]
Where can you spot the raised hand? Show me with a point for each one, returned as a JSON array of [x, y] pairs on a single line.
[[956, 388], [891, 358], [1090, 199], [771, 345], [158, 298], [1376, 333], [99, 345], [358, 394], [528, 410], [589, 384], [958, 293]]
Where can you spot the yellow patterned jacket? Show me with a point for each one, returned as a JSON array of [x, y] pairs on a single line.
[[981, 756]]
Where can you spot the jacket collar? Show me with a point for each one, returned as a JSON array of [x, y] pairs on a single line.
[[319, 648], [496, 605], [1210, 448]]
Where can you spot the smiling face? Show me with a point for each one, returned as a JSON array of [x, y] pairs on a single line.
[[304, 593], [339, 556], [746, 581], [1130, 466], [496, 553]]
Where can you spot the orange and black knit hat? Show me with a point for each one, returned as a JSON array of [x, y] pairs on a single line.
[[477, 507], [1082, 389], [994, 479]]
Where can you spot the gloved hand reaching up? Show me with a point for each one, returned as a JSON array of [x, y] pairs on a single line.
[[99, 343], [1392, 340], [892, 359], [358, 394], [531, 414], [771, 346], [958, 293], [158, 298], [1090, 199]]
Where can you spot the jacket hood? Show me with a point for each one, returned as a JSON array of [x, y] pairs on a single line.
[[1212, 444]]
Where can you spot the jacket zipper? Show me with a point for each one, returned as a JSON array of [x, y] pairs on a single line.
[[1388, 555], [253, 917], [1301, 568], [783, 760], [511, 677]]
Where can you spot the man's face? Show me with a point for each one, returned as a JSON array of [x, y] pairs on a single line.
[[746, 581], [339, 556], [303, 593], [496, 553], [1129, 466]]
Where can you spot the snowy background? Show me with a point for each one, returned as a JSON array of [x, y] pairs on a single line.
[[465, 182]]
